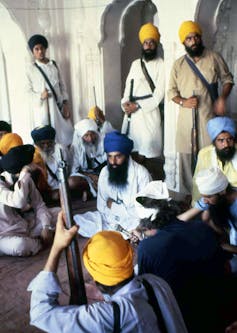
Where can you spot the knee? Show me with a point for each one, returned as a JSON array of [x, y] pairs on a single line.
[[20, 246]]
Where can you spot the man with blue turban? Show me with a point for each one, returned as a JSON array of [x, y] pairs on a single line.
[[119, 182], [221, 153]]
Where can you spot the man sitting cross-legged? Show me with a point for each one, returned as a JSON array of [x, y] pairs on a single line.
[[118, 184]]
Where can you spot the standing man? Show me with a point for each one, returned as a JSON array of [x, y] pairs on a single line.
[[144, 91], [48, 92], [118, 184], [187, 89]]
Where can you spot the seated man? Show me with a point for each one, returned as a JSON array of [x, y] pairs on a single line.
[[48, 150], [22, 232], [4, 128], [103, 126], [109, 260], [118, 184], [222, 153], [88, 152], [186, 255]]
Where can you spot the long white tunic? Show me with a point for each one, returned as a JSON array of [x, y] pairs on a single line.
[[123, 210], [145, 125], [45, 112]]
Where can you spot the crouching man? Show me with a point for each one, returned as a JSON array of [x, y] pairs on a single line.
[[25, 221], [109, 260]]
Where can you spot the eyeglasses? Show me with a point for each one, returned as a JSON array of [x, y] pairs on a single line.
[[227, 140]]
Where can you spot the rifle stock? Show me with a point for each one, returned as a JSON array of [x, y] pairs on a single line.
[[194, 140], [75, 273]]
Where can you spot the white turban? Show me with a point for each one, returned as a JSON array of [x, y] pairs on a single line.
[[211, 181], [154, 190], [84, 126]]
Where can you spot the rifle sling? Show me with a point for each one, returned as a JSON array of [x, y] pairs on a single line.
[[49, 83], [152, 300], [52, 174], [147, 76], [201, 77]]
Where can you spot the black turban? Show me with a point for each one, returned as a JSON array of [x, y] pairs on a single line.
[[46, 132], [16, 158], [4, 126], [37, 39]]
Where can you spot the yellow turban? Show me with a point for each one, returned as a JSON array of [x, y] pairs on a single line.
[[108, 257], [8, 141], [188, 27], [91, 113], [148, 31]]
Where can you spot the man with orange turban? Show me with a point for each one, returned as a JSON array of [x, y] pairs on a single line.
[[193, 85], [124, 306], [144, 91]]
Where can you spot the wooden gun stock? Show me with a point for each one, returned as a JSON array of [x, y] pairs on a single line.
[[194, 140], [75, 273]]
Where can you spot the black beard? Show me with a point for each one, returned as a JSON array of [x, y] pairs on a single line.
[[149, 54], [225, 154], [197, 52], [118, 176]]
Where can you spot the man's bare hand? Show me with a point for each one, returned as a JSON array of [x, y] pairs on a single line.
[[130, 107], [44, 94], [191, 102], [99, 115], [219, 106], [66, 110]]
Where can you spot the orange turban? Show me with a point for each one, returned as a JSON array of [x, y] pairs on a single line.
[[149, 31], [188, 27], [8, 141], [91, 113], [108, 257]]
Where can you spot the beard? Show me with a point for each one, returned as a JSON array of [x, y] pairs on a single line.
[[119, 176], [47, 154], [149, 54], [225, 154], [195, 52]]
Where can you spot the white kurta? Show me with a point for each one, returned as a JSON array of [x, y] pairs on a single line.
[[145, 125], [17, 231], [46, 112], [123, 210]]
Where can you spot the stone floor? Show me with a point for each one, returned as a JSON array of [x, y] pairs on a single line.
[[15, 275]]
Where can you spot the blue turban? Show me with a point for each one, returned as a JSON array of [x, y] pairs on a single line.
[[220, 124], [43, 133], [37, 39], [115, 141]]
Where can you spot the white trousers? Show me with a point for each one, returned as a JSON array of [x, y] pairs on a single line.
[[19, 246]]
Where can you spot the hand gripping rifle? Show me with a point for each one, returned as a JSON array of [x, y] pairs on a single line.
[[75, 274], [194, 139]]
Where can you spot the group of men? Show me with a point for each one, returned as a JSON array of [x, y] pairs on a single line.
[[184, 270]]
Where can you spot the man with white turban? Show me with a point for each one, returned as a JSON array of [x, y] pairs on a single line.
[[87, 152], [125, 305], [119, 182], [183, 253], [144, 91], [222, 153], [189, 91]]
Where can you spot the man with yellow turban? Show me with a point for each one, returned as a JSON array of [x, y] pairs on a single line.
[[125, 303], [193, 85], [144, 91], [103, 125]]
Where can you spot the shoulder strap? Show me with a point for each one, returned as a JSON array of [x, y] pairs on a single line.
[[52, 174], [48, 82], [116, 309], [201, 77], [147, 76], [152, 300]]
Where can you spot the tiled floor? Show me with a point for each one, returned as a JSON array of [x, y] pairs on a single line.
[[15, 275]]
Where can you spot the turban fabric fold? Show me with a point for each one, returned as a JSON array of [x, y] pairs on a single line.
[[188, 27], [149, 31], [220, 124], [43, 133], [153, 190], [211, 181], [108, 257], [116, 141], [4, 126], [37, 39], [91, 113], [16, 158], [84, 126], [8, 141]]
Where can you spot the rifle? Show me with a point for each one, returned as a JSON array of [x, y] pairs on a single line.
[[75, 274], [131, 99], [194, 139]]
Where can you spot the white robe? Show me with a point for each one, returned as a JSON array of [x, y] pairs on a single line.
[[145, 125], [123, 210], [45, 112]]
